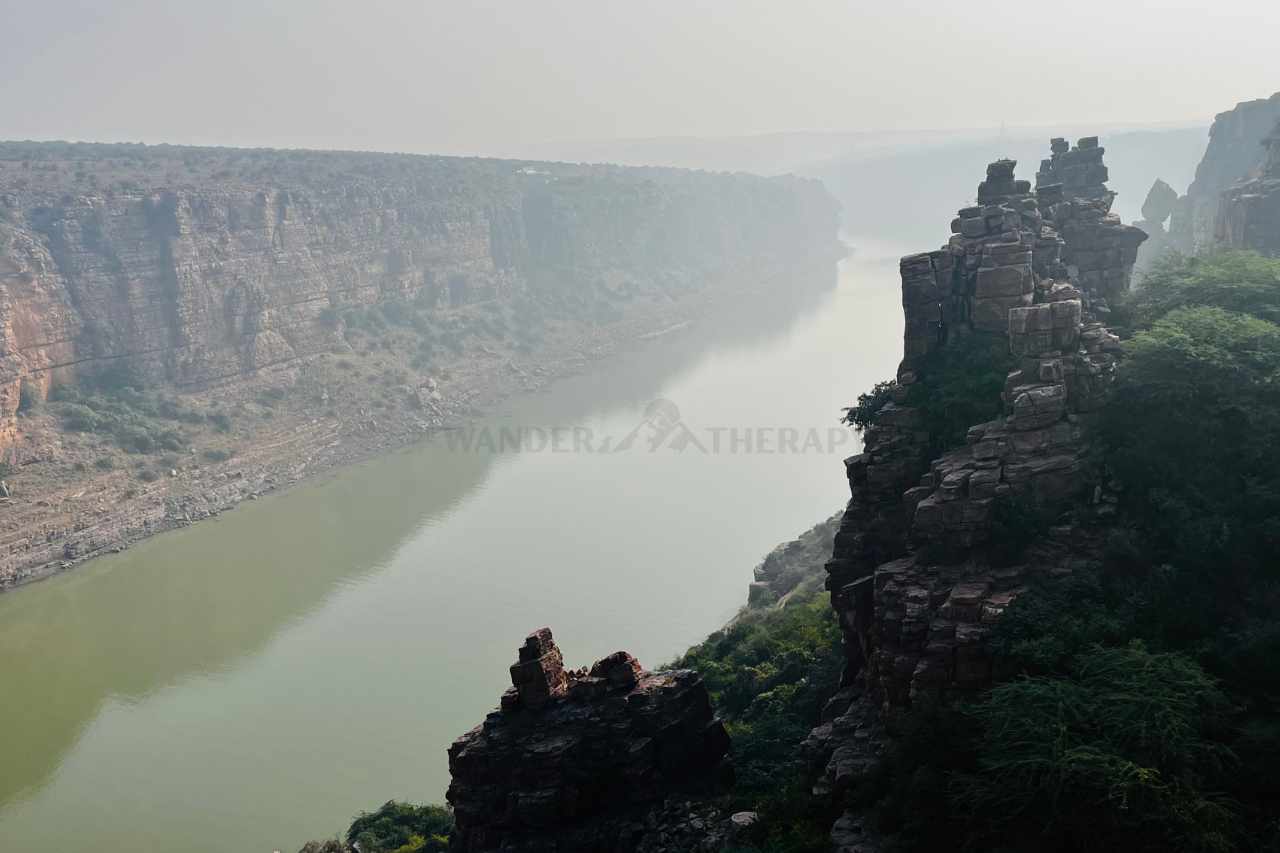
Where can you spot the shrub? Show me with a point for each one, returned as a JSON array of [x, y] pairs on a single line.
[[1207, 379], [217, 455], [402, 827], [104, 463], [1239, 281], [769, 674], [959, 385], [1119, 756], [863, 414]]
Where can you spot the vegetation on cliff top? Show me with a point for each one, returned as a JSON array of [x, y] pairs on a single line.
[[394, 828], [1140, 702]]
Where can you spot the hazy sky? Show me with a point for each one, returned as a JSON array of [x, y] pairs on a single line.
[[486, 75]]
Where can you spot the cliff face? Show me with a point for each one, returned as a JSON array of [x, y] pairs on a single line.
[[1235, 152], [192, 267], [909, 575], [1249, 212]]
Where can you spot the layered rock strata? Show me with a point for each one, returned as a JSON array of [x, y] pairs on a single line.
[[1249, 212], [193, 267], [608, 758], [1234, 153], [908, 579]]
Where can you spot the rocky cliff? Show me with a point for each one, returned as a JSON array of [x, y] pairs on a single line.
[[194, 267], [607, 758], [919, 570], [909, 574], [1235, 153], [1249, 212]]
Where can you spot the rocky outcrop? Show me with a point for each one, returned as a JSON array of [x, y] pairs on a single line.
[[1036, 269], [1249, 212], [1159, 205], [196, 267], [792, 564], [1234, 153], [914, 576], [607, 758]]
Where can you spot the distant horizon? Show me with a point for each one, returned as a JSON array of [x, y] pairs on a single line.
[[972, 133]]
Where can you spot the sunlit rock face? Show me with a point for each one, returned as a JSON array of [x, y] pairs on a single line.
[[1249, 212], [1235, 153], [610, 757], [193, 267]]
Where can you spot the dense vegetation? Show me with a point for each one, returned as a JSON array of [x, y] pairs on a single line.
[[394, 828], [1139, 705], [769, 674], [958, 385]]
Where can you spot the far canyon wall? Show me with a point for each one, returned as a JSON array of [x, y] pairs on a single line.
[[193, 267]]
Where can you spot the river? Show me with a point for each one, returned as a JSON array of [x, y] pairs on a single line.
[[256, 680]]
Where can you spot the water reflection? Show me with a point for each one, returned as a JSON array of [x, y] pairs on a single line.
[[197, 602]]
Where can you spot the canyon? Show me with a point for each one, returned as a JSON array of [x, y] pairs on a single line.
[[293, 310]]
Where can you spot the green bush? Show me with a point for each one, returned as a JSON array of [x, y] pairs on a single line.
[[1192, 433], [959, 385], [217, 455], [1119, 755], [401, 828], [863, 414], [1243, 282], [769, 674]]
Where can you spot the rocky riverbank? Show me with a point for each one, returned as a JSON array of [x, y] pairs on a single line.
[[63, 507], [183, 329]]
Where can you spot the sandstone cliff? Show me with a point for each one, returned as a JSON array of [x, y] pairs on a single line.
[[194, 267], [217, 323], [1249, 212], [1235, 153]]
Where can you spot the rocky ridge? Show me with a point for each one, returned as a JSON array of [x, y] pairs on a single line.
[[607, 758], [911, 578]]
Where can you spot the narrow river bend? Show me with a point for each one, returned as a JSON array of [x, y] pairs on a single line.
[[254, 681]]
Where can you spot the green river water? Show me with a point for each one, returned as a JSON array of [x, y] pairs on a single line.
[[254, 681]]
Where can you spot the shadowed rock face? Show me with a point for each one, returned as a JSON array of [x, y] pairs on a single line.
[[912, 576], [610, 758], [907, 575]]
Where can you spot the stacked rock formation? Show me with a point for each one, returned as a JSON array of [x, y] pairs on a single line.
[[1099, 250], [1249, 212], [609, 758], [908, 575], [1156, 210]]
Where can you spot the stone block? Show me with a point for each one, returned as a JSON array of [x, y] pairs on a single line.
[[1003, 281]]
